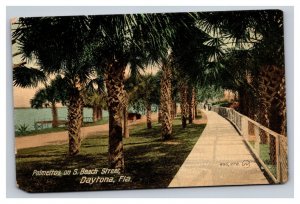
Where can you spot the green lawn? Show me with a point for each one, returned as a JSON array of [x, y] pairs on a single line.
[[199, 116], [265, 156], [58, 129], [151, 162], [264, 153], [222, 103]]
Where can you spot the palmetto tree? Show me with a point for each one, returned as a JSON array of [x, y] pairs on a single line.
[[261, 34], [57, 44], [166, 99], [124, 40], [95, 96], [149, 93], [50, 95], [190, 56], [95, 101], [65, 45], [131, 88], [152, 96]]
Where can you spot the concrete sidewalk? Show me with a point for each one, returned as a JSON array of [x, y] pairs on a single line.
[[219, 157]]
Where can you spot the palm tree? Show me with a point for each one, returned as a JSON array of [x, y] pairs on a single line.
[[57, 44], [261, 34], [186, 36], [149, 94], [95, 97], [132, 86], [191, 102], [262, 31], [96, 102], [180, 82], [190, 54], [65, 45], [43, 98], [124, 40], [241, 80], [50, 95], [166, 99]]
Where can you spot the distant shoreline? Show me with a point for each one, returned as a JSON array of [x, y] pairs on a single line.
[[35, 108]]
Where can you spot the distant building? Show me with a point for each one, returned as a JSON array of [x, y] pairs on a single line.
[[230, 95]]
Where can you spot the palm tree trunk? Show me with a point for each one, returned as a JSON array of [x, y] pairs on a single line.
[[54, 115], [174, 108], [196, 104], [282, 106], [195, 109], [158, 115], [166, 101], [99, 113], [95, 111], [252, 107], [246, 101], [75, 116], [242, 101], [173, 112], [82, 118], [247, 105], [115, 85], [265, 109], [148, 108], [183, 104], [125, 126], [191, 104]]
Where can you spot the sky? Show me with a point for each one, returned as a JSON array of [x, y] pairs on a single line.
[[22, 96]]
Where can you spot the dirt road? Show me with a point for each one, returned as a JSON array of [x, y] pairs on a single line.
[[62, 137]]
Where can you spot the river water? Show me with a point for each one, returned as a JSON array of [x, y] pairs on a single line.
[[28, 116]]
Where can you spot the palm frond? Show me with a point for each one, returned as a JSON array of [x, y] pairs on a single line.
[[28, 77]]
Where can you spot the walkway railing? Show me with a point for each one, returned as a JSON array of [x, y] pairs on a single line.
[[269, 147]]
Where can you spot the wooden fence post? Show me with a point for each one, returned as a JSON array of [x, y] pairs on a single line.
[[244, 128], [278, 165], [257, 140]]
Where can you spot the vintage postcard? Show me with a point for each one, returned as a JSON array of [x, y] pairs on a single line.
[[149, 100]]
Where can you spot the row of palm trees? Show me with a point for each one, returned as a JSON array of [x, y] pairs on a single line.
[[255, 70], [193, 49], [79, 48]]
